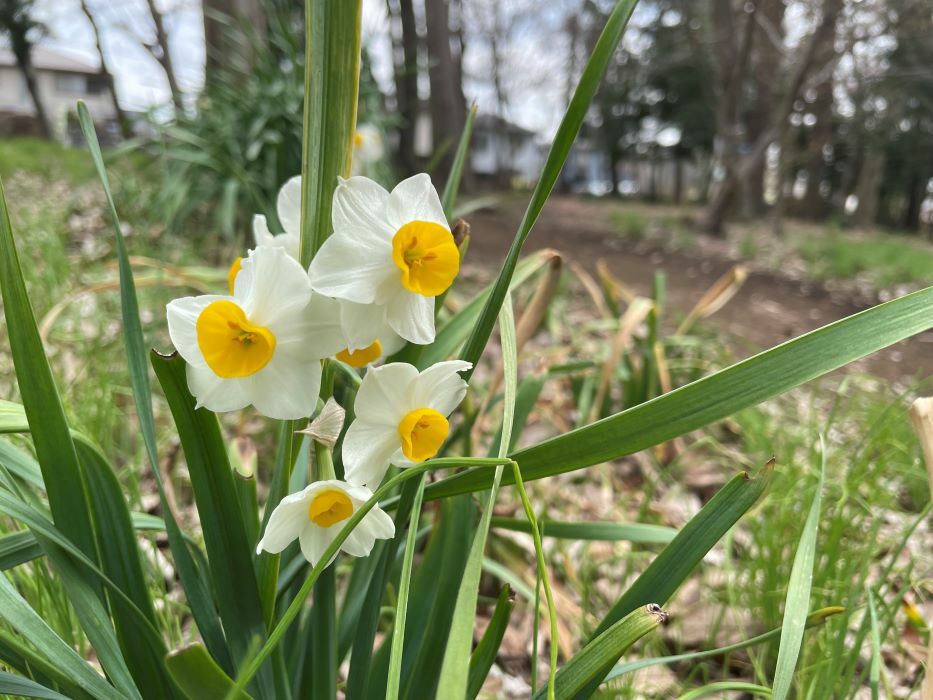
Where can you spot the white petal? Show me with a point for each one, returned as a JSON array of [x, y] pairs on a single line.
[[367, 451], [361, 203], [382, 396], [182, 315], [261, 233], [314, 332], [440, 386], [361, 323], [314, 540], [354, 265], [412, 317], [288, 206], [379, 524], [216, 393], [415, 199], [288, 519], [271, 286], [286, 389]]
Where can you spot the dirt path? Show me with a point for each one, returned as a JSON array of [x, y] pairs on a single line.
[[767, 310]]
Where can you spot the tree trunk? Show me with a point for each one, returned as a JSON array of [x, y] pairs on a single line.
[[29, 76], [868, 188], [448, 115], [915, 193], [404, 36], [106, 75], [162, 54]]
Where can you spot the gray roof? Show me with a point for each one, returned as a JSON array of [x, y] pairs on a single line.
[[44, 58]]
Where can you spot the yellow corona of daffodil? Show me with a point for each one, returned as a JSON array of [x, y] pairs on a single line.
[[401, 418], [391, 249], [368, 148], [317, 514], [256, 346]]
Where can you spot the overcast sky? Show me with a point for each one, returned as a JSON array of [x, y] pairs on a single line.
[[532, 68]]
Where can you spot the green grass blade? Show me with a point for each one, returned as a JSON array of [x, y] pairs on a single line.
[[18, 548], [228, 551], [401, 608], [452, 188], [455, 668], [721, 687], [797, 603], [675, 563], [603, 531], [589, 663], [453, 333], [874, 673], [484, 655], [55, 451], [119, 556], [23, 687], [816, 619], [323, 633], [199, 676], [198, 596], [17, 613], [563, 141], [714, 397], [332, 86]]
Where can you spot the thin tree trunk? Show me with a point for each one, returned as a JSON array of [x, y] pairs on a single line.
[[32, 85], [226, 47], [404, 37], [163, 55], [448, 115], [106, 75]]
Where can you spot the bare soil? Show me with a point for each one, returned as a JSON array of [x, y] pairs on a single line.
[[771, 307]]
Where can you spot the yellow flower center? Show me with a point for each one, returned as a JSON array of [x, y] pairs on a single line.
[[231, 345], [357, 139], [363, 356], [423, 431], [426, 254], [234, 270], [330, 507]]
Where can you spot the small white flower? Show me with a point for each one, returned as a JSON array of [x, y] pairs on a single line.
[[368, 148], [317, 514], [288, 208], [256, 346], [395, 250], [401, 418]]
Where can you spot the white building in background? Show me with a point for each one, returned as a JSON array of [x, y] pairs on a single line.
[[505, 151], [62, 81]]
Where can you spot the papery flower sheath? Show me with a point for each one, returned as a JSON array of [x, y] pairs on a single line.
[[401, 418], [391, 249], [316, 514], [257, 345]]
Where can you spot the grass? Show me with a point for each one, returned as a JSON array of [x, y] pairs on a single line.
[[49, 159], [887, 259]]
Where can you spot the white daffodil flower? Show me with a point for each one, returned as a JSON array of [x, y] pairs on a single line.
[[395, 250], [288, 208], [401, 418], [316, 514], [256, 346], [358, 333], [368, 148]]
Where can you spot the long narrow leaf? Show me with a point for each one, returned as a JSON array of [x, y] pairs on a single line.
[[484, 655], [797, 603], [198, 596], [714, 397], [456, 666], [23, 687], [630, 532], [228, 550], [199, 676], [604, 650], [563, 141]]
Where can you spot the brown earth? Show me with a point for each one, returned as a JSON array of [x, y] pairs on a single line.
[[769, 308]]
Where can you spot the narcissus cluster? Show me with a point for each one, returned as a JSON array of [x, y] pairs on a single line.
[[370, 288]]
